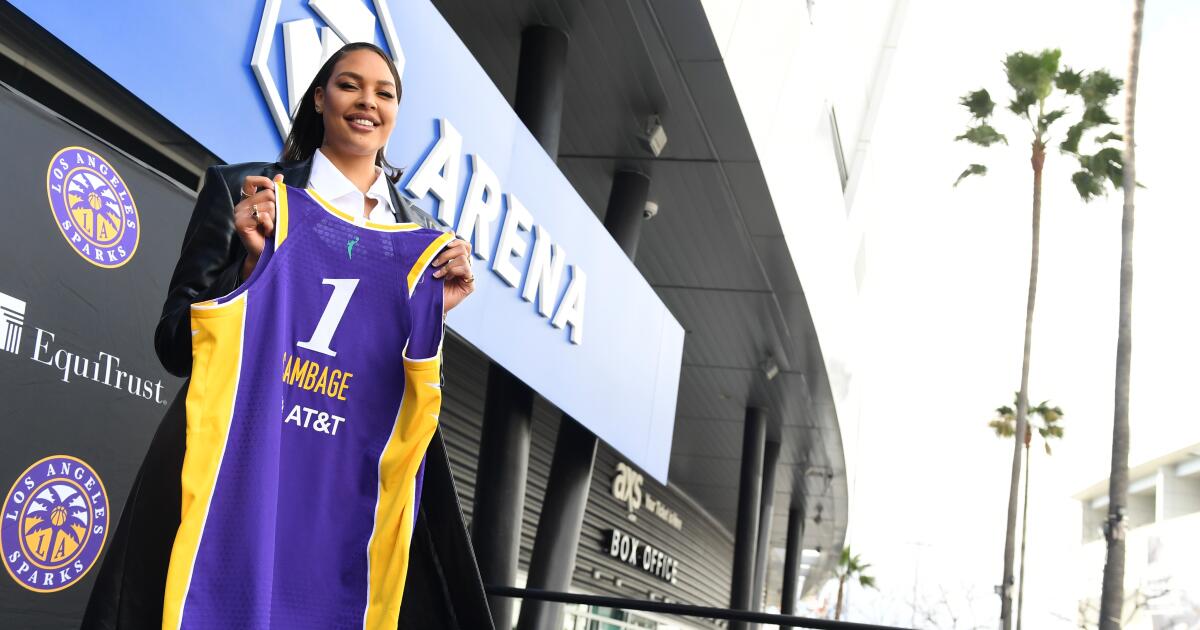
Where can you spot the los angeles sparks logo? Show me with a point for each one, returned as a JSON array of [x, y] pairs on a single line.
[[92, 207], [54, 524]]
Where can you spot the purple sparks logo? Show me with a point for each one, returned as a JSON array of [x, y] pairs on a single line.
[[54, 524], [92, 207]]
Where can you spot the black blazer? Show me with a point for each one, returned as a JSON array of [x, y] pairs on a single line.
[[443, 587]]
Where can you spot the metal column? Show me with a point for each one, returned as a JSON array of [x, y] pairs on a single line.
[[540, 78], [749, 492], [791, 561], [554, 549], [766, 510], [507, 417], [500, 490], [626, 209], [560, 523]]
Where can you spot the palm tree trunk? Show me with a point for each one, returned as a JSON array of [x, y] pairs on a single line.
[[1037, 160], [837, 610], [1024, 530], [1112, 591]]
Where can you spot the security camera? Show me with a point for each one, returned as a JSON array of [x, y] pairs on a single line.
[[650, 210]]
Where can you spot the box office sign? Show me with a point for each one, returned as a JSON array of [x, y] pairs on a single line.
[[636, 553]]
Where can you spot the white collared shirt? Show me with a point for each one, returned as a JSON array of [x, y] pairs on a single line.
[[338, 190]]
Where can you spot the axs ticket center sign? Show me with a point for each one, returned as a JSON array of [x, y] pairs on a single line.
[[557, 302]]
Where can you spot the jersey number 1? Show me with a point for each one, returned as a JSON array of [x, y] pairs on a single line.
[[332, 316]]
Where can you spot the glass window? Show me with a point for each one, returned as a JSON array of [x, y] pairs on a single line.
[[580, 617]]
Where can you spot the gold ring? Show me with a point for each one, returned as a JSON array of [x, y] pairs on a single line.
[[470, 280], [254, 211]]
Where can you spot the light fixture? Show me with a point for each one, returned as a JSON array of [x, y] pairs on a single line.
[[810, 553], [656, 137], [769, 367], [650, 210]]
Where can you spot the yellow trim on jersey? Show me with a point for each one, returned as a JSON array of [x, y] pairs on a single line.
[[281, 214], [385, 227], [395, 509], [425, 258], [217, 341]]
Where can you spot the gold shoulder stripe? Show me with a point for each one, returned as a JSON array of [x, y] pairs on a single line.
[[281, 214], [426, 258]]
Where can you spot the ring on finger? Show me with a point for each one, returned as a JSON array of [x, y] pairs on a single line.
[[244, 193], [254, 211]]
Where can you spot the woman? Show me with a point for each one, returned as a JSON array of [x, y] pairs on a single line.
[[335, 147]]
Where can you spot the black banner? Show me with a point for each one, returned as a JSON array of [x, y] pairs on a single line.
[[89, 239]]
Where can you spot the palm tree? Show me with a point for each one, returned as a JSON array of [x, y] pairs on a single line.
[[1113, 586], [850, 567], [1004, 424], [1038, 81]]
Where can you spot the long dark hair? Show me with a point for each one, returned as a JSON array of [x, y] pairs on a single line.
[[308, 128]]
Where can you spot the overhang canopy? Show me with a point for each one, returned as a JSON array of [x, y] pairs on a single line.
[[715, 253]]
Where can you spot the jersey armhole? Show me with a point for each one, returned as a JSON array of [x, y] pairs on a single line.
[[281, 213], [425, 259], [424, 346]]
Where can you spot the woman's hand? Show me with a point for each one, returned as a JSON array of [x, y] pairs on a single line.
[[454, 265], [254, 217]]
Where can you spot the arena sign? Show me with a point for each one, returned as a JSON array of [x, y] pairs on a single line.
[[562, 308]]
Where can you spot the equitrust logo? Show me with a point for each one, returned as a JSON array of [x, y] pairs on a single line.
[[307, 44], [54, 524], [70, 365], [12, 319]]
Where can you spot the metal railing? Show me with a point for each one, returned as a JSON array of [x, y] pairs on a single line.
[[683, 610]]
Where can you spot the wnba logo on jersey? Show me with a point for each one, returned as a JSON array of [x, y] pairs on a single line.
[[92, 207], [54, 524]]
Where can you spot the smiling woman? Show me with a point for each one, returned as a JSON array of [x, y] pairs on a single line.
[[351, 112], [350, 88], [336, 150]]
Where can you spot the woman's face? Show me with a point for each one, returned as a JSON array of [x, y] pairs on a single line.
[[358, 104]]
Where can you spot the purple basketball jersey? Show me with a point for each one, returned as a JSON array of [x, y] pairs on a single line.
[[315, 391]]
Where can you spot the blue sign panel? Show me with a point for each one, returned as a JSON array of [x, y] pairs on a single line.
[[557, 302]]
